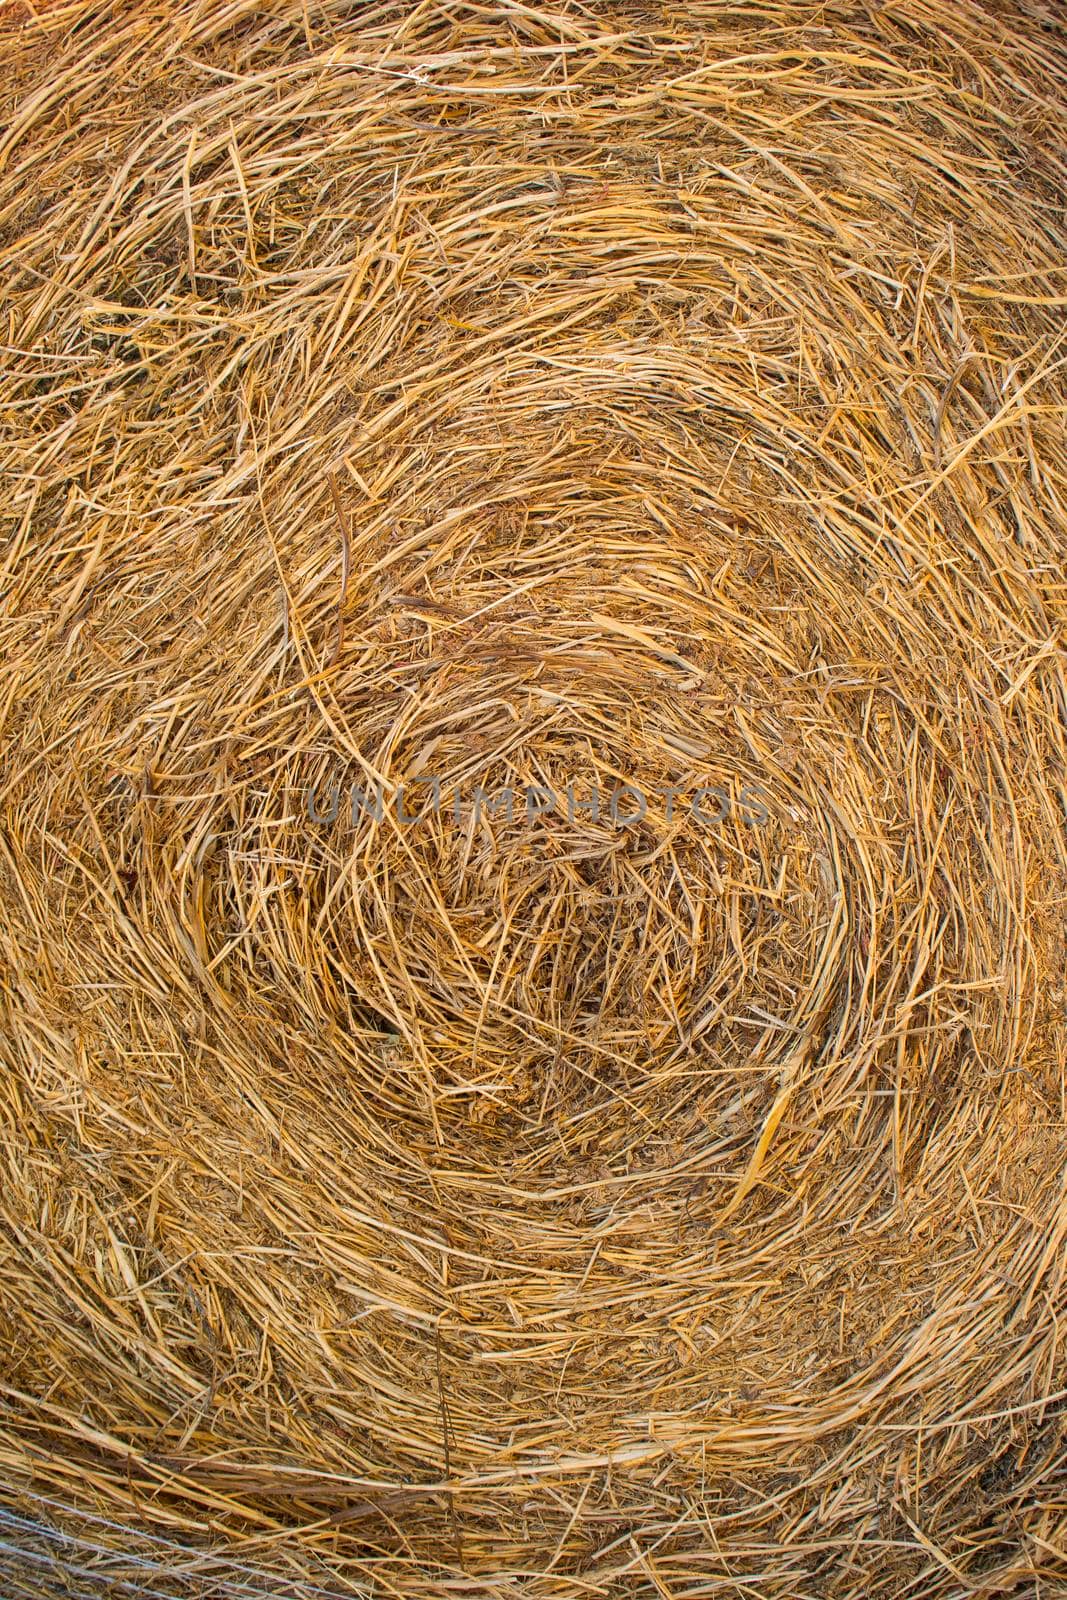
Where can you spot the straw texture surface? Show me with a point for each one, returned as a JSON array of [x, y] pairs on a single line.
[[653, 1186]]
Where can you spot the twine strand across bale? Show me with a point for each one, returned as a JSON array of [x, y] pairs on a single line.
[[533, 816]]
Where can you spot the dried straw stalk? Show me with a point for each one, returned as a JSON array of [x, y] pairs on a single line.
[[518, 395]]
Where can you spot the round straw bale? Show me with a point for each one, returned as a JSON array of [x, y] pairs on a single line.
[[533, 827]]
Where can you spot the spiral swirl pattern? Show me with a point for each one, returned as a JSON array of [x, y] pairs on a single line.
[[532, 841]]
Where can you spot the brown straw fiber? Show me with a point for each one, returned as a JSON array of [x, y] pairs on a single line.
[[467, 395]]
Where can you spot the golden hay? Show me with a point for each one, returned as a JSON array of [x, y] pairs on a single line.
[[489, 396]]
